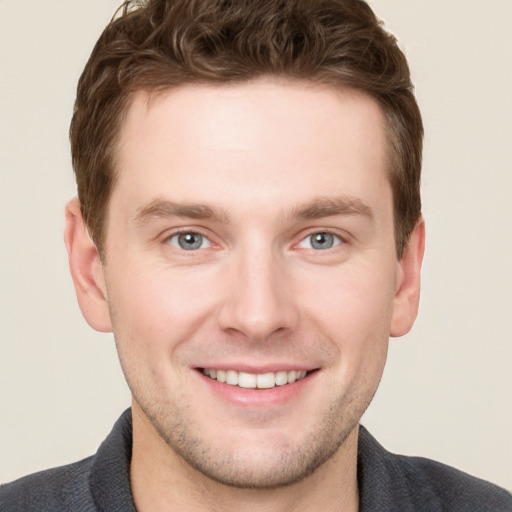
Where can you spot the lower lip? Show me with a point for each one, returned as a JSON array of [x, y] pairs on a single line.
[[271, 397]]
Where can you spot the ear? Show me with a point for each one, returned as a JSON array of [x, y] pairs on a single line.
[[86, 270], [405, 308]]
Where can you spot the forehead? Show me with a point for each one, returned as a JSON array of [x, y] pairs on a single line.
[[267, 140]]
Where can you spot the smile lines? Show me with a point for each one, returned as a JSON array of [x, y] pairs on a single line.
[[255, 380]]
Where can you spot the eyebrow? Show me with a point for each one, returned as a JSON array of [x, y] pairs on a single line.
[[316, 208], [332, 206], [162, 209]]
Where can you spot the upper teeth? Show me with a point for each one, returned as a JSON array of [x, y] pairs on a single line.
[[255, 380]]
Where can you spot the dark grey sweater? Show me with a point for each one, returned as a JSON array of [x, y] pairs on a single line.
[[387, 482]]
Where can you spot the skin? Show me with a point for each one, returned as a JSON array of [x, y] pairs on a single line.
[[256, 169]]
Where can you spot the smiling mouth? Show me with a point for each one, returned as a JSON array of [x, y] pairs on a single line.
[[255, 380]]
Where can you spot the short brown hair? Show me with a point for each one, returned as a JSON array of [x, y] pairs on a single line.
[[154, 45]]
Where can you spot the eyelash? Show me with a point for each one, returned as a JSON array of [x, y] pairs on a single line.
[[335, 239], [188, 232]]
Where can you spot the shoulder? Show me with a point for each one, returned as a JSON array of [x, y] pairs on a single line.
[[450, 489], [396, 482], [100, 482], [58, 489]]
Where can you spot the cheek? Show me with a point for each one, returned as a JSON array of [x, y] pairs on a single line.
[[159, 308], [357, 317], [353, 307]]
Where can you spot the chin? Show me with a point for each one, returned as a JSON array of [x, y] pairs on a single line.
[[261, 459], [268, 469]]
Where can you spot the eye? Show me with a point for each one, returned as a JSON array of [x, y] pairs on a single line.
[[320, 241], [189, 241]]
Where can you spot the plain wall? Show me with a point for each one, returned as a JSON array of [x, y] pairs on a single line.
[[447, 390]]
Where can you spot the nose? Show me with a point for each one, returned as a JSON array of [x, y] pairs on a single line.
[[258, 299]]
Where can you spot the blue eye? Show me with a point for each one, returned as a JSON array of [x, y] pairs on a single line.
[[320, 241], [189, 241]]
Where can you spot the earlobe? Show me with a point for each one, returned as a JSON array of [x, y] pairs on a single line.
[[405, 307], [86, 270]]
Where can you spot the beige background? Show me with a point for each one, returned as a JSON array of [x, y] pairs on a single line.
[[447, 390]]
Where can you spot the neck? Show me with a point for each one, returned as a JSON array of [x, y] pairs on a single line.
[[162, 481]]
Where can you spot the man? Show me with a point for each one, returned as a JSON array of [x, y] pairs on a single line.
[[248, 224]]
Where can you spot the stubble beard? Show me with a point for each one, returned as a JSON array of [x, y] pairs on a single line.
[[231, 466]]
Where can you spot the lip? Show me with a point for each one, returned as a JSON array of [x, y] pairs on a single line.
[[259, 398]]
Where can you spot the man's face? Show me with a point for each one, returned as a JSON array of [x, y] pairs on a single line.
[[250, 236]]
